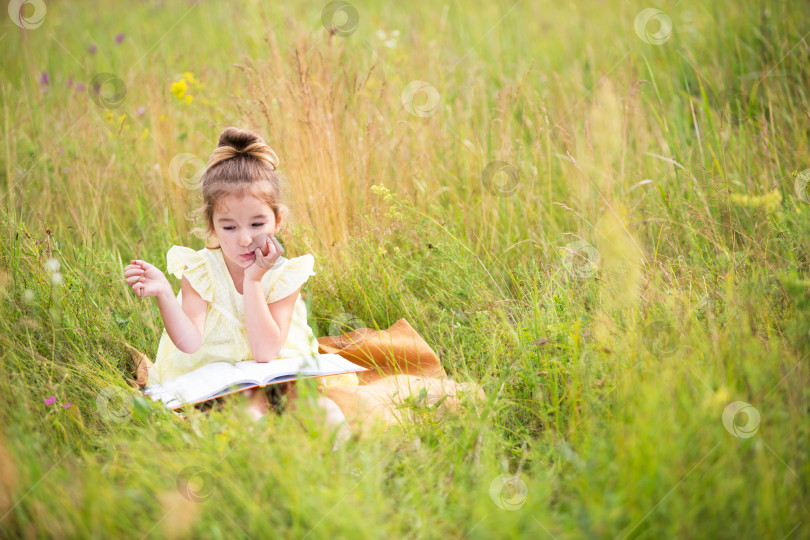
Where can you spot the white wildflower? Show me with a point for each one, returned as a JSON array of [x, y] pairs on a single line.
[[389, 40], [52, 265]]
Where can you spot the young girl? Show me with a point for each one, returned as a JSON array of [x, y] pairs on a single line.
[[238, 300]]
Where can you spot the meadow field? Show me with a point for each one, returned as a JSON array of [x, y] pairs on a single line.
[[598, 211]]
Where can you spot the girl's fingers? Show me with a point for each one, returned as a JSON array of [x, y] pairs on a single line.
[[134, 272]]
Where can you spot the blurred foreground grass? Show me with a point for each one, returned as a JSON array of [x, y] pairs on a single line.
[[596, 219]]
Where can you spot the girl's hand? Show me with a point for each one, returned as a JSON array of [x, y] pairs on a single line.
[[145, 279], [266, 257]]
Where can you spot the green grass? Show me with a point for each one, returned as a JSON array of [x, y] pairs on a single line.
[[606, 382]]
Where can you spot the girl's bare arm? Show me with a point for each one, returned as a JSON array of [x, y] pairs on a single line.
[[184, 324], [267, 325]]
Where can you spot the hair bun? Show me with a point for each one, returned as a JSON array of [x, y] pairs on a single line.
[[234, 141]]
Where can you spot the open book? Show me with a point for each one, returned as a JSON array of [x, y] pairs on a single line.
[[222, 378]]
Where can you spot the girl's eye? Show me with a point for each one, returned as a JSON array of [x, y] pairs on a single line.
[[255, 225]]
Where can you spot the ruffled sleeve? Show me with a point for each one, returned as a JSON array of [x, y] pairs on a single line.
[[197, 273], [294, 273]]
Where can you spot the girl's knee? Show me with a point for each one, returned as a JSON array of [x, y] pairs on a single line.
[[334, 415], [335, 420]]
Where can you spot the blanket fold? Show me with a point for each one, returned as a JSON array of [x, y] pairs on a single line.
[[397, 350]]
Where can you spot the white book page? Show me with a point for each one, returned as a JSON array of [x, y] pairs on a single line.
[[201, 383], [321, 364]]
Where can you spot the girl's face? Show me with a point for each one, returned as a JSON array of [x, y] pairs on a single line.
[[237, 221]]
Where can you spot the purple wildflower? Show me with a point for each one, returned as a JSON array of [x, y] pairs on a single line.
[[141, 110], [92, 48], [70, 82], [51, 400], [79, 87], [44, 79], [67, 405], [119, 38]]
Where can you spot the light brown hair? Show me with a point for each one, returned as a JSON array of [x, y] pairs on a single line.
[[241, 164]]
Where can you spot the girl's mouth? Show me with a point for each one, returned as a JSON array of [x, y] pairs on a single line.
[[248, 255]]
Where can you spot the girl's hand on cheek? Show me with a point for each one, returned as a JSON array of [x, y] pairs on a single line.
[[266, 258]]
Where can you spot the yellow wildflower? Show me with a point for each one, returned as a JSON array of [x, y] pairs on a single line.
[[179, 88], [770, 201], [145, 133], [188, 76], [382, 190]]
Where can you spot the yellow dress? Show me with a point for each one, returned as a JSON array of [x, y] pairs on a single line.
[[225, 336]]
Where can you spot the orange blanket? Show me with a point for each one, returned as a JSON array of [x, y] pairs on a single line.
[[402, 368]]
